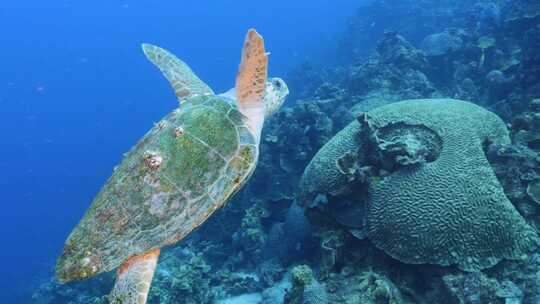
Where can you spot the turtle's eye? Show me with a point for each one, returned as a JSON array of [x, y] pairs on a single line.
[[277, 83]]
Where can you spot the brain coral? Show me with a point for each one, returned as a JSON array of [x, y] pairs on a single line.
[[448, 210], [322, 175], [451, 210]]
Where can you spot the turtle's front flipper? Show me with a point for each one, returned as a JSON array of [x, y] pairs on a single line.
[[251, 80], [251, 77], [183, 80], [134, 279]]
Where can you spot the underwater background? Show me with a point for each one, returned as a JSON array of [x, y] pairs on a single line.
[[76, 93]]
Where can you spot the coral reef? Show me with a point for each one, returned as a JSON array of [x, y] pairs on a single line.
[[397, 71], [289, 141], [533, 190], [181, 276], [250, 237], [297, 232], [306, 289], [413, 19], [441, 44], [91, 291], [290, 240], [471, 288]]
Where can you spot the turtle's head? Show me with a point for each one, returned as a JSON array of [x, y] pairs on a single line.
[[275, 94], [77, 261]]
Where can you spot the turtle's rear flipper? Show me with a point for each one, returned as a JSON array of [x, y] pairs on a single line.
[[183, 80], [134, 278]]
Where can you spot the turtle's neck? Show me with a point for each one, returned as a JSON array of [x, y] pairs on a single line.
[[254, 119]]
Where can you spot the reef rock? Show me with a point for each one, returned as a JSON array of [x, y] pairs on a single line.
[[471, 288], [441, 44]]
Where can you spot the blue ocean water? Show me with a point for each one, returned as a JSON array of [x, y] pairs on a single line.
[[76, 92]]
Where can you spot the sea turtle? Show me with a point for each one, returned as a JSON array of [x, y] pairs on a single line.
[[185, 168]]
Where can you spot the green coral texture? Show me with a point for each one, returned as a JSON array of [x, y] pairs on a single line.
[[449, 211]]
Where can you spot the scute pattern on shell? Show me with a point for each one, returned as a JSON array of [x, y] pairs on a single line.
[[452, 210], [149, 203]]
